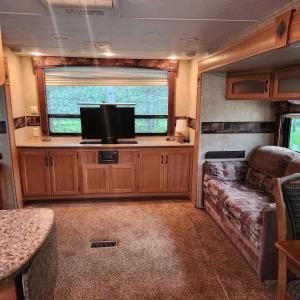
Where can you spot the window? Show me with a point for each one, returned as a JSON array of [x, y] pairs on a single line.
[[148, 90], [294, 134]]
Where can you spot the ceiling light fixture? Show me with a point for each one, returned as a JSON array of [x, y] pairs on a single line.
[[36, 53], [108, 54], [61, 37], [173, 56]]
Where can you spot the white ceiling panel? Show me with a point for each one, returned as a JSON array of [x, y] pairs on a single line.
[[130, 37], [200, 9], [23, 6]]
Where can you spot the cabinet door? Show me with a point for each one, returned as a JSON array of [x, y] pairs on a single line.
[[35, 176], [64, 172], [287, 84], [248, 87], [177, 171], [95, 179], [122, 178], [151, 171]]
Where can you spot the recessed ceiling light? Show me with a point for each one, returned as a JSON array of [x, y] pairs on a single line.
[[36, 53], [190, 40], [108, 54], [100, 45], [61, 37], [173, 57]]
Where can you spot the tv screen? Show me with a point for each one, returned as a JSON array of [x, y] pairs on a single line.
[[125, 120], [107, 123], [90, 127]]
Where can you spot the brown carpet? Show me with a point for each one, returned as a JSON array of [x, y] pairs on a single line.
[[166, 250]]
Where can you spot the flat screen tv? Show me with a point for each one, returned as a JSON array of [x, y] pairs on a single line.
[[107, 123]]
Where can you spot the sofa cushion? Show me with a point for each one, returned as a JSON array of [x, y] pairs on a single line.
[[271, 160], [255, 178], [293, 167], [241, 203], [227, 170], [267, 185]]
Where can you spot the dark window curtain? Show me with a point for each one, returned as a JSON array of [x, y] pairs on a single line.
[[285, 131]]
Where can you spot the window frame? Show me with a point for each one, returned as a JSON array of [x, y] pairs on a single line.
[[286, 129], [44, 62]]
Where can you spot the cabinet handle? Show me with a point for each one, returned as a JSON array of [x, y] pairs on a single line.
[[167, 159], [46, 161], [51, 161], [266, 86], [162, 159]]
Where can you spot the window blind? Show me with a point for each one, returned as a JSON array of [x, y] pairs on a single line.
[[105, 77]]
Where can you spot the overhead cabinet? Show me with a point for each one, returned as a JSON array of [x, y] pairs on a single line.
[[248, 87], [287, 84]]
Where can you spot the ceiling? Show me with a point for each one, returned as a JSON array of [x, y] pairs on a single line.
[[132, 29]]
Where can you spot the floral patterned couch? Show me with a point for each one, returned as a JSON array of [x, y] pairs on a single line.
[[239, 197]]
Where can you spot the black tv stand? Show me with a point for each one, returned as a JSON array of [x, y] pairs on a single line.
[[124, 142]]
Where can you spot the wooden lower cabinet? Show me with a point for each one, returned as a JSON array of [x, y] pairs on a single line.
[[167, 171], [46, 173], [63, 172], [177, 171], [122, 178], [151, 171], [95, 179], [35, 175], [74, 173]]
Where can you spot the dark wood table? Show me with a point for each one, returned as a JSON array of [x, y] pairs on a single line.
[[291, 249]]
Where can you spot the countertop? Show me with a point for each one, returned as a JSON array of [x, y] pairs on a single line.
[[22, 233], [74, 142]]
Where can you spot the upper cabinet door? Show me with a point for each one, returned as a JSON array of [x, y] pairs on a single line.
[[248, 87], [151, 171], [34, 171], [287, 84], [177, 171], [2, 65], [64, 172]]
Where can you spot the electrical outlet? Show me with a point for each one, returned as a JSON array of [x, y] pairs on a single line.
[[33, 110], [36, 131]]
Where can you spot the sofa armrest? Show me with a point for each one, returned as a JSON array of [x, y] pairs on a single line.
[[226, 170], [268, 256]]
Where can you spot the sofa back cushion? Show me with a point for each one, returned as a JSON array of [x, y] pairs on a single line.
[[255, 177], [294, 166], [227, 170], [271, 160]]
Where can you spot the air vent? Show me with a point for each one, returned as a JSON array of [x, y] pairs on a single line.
[[83, 12], [80, 3], [103, 244]]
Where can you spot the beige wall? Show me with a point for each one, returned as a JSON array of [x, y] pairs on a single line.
[[24, 93], [16, 85], [29, 84], [215, 108], [193, 89], [29, 93], [182, 95]]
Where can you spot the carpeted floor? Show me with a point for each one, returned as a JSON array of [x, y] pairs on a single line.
[[166, 250]]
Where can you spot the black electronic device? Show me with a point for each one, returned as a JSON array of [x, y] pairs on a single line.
[[107, 123], [108, 157]]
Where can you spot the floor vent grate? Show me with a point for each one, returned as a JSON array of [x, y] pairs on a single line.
[[103, 244]]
